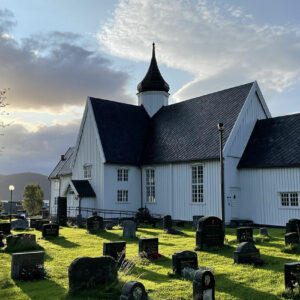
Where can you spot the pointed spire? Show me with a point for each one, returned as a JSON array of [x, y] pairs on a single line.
[[153, 81]]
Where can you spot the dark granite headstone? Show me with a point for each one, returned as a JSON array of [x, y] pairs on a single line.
[[133, 290], [148, 245], [5, 228], [291, 238], [210, 233], [184, 259], [19, 224], [40, 223], [32, 222], [291, 273], [23, 263], [244, 234], [94, 224], [129, 229], [50, 230], [22, 241], [247, 253], [45, 214], [263, 231], [293, 225], [62, 211], [167, 222], [195, 221], [203, 285], [86, 272], [117, 250]]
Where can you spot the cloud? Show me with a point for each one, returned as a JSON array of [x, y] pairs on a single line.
[[37, 151], [52, 71], [221, 45]]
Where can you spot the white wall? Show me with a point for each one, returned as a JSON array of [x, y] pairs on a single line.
[[173, 189], [153, 101], [112, 185], [261, 194], [90, 152]]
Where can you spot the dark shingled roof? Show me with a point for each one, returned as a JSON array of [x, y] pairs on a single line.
[[186, 131], [83, 188], [122, 129], [274, 142], [64, 166], [153, 81]]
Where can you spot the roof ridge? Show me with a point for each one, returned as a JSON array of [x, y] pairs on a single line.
[[112, 101]]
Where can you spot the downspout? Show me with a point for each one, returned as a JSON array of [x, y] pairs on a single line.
[[141, 187]]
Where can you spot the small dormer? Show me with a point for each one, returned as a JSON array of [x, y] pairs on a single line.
[[153, 90]]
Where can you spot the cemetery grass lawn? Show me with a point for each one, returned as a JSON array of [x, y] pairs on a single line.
[[232, 281]]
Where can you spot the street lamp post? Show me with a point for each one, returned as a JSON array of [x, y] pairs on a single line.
[[221, 129], [11, 188]]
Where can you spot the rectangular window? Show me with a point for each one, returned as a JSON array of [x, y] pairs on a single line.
[[150, 185], [56, 185], [122, 196], [197, 184], [289, 199], [87, 171], [122, 174]]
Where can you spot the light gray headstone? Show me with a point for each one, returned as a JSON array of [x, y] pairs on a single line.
[[19, 224], [129, 229]]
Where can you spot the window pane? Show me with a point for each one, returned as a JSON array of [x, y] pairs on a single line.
[[294, 199], [125, 175], [284, 199]]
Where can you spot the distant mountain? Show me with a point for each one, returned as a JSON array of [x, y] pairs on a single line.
[[20, 180]]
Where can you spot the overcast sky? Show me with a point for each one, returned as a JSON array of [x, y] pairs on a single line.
[[53, 54]]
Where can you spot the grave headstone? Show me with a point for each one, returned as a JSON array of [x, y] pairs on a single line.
[[79, 221], [247, 253], [32, 222], [148, 245], [129, 229], [45, 214], [19, 224], [27, 265], [50, 230], [39, 224], [291, 273], [117, 250], [1, 239], [86, 272], [293, 225], [195, 221], [94, 223], [263, 231], [5, 228], [109, 226], [133, 290], [210, 233], [244, 234], [61, 211], [167, 222], [291, 238], [184, 259], [203, 285], [22, 241]]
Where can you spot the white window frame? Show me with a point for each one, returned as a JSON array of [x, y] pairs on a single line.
[[150, 185], [197, 184], [122, 196], [122, 174], [56, 185], [87, 171], [289, 199]]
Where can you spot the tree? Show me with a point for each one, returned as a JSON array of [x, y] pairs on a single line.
[[33, 198], [3, 104]]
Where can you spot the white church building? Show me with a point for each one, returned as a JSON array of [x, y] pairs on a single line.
[[166, 157]]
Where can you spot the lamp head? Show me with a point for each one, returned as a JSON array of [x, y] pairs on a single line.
[[220, 127], [11, 188]]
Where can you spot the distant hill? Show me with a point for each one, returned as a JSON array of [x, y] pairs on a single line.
[[20, 180]]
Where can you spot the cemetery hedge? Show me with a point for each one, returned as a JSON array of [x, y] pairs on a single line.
[[232, 281]]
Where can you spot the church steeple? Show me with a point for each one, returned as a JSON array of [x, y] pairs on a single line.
[[153, 81]]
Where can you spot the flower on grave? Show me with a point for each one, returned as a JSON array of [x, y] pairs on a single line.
[[155, 255]]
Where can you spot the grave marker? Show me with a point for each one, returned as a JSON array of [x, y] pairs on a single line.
[[203, 285], [61, 211], [133, 290], [210, 233], [184, 259], [28, 264], [22, 241], [86, 272], [167, 222], [5, 228], [39, 224], [117, 250], [129, 229], [247, 253], [263, 231], [291, 238], [148, 245], [50, 230], [291, 272], [293, 225], [19, 224], [94, 223], [244, 234]]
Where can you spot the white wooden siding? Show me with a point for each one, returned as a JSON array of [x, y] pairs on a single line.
[[89, 152], [260, 194], [173, 190]]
